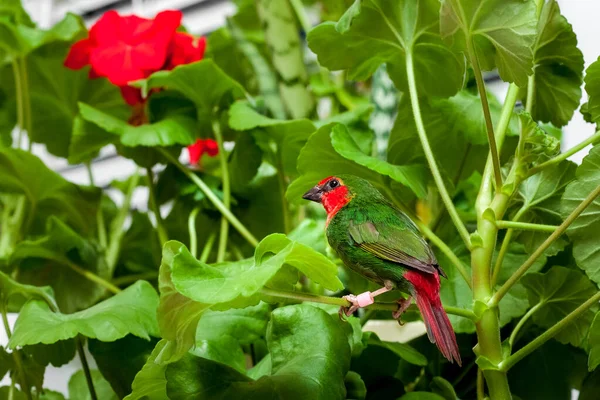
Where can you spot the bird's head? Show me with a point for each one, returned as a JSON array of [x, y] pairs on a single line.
[[333, 192]]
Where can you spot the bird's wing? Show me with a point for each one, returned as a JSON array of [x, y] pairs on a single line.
[[394, 239]]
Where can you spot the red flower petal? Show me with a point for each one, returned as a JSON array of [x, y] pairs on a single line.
[[185, 49], [202, 146], [131, 95], [117, 64], [106, 31], [212, 147], [79, 54]]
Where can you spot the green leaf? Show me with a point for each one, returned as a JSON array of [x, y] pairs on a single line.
[[46, 191], [373, 32], [455, 129], [10, 288], [121, 360], [539, 200], [176, 129], [140, 247], [593, 343], [49, 261], [178, 315], [130, 312], [202, 82], [421, 396], [150, 383], [583, 232], [244, 324], [78, 388], [6, 362], [292, 345], [538, 146], [443, 388], [592, 87], [558, 68], [355, 387], [244, 162], [57, 354], [590, 386], [502, 33], [225, 350], [412, 176], [403, 350], [560, 291]]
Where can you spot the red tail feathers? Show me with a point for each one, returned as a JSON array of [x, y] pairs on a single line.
[[439, 329]]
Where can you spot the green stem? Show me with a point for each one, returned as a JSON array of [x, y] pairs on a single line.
[[507, 111], [549, 334], [486, 113], [19, 95], [515, 332], [504, 248], [301, 15], [128, 279], [282, 189], [86, 368], [563, 156], [338, 301], [530, 93], [91, 276], [208, 247], [26, 100], [99, 216], [16, 353], [192, 232], [536, 254], [437, 176], [116, 229], [213, 198], [480, 385], [160, 227], [525, 226], [224, 234]]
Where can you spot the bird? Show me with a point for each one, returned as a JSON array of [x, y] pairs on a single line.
[[380, 242]]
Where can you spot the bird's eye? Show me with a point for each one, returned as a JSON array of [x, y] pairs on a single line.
[[334, 183]]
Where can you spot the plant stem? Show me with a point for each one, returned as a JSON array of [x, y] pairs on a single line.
[[480, 385], [192, 232], [224, 234], [563, 156], [127, 279], [282, 188], [26, 100], [300, 14], [213, 198], [507, 111], [439, 243], [16, 353], [504, 248], [208, 247], [486, 113], [19, 95], [549, 334], [437, 176], [514, 333], [338, 301], [525, 226], [90, 276], [99, 216], [160, 227], [538, 252], [86, 368], [116, 228]]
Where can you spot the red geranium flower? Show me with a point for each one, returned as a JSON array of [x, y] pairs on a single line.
[[208, 146], [125, 49], [185, 49]]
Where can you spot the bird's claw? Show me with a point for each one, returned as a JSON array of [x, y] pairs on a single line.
[[348, 310], [403, 304]]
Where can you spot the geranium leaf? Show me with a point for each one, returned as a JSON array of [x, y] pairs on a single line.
[[320, 146], [121, 360], [593, 343], [78, 388], [560, 291], [202, 82], [539, 200], [133, 311], [57, 354], [6, 362], [227, 281], [413, 176], [502, 33], [46, 261], [176, 129], [10, 288], [355, 386], [558, 68], [583, 232], [47, 192], [421, 396], [292, 346], [592, 87], [150, 383], [372, 32], [244, 324]]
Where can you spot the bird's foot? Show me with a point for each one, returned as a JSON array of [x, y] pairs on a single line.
[[362, 300], [403, 304]]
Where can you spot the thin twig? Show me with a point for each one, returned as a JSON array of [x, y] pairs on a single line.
[[86, 368]]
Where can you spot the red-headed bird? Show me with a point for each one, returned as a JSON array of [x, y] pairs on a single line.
[[381, 243]]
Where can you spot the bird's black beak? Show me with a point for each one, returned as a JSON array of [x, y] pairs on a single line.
[[314, 194]]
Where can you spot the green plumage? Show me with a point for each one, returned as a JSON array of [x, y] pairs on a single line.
[[377, 240]]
